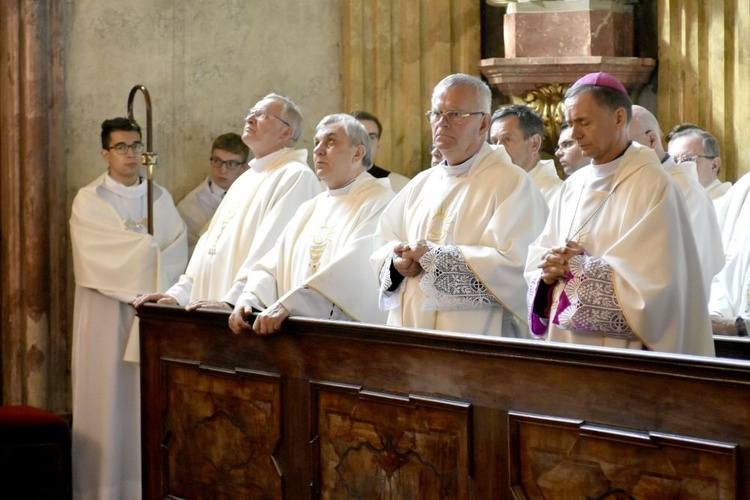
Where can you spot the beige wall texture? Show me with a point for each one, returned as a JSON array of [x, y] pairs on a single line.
[[204, 63]]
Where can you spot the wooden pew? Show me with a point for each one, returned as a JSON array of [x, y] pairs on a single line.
[[336, 410]]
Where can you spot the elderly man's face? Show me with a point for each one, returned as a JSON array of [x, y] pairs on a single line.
[[598, 131], [690, 148], [506, 131], [570, 155], [265, 128], [458, 139], [337, 160]]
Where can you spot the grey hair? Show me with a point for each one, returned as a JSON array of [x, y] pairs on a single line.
[[482, 90], [291, 114], [708, 141], [354, 130]]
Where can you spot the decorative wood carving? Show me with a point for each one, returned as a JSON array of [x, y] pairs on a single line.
[[296, 399], [556, 458], [376, 445], [222, 429]]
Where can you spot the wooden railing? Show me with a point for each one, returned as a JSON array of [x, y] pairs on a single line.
[[337, 410]]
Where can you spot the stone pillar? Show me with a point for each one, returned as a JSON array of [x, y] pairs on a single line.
[[550, 44]]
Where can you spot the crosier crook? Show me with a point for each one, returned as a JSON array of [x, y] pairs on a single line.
[[149, 157]]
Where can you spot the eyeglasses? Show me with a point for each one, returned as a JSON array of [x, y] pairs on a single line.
[[122, 148], [454, 117], [262, 114], [217, 162], [691, 157], [565, 145]]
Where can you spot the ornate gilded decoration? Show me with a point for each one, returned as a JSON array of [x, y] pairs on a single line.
[[547, 100], [318, 244], [439, 226]]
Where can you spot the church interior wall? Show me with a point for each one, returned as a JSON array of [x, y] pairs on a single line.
[[203, 63]]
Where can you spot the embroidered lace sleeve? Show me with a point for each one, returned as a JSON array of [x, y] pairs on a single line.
[[590, 303], [449, 284]]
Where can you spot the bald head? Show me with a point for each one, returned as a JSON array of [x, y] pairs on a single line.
[[644, 129]]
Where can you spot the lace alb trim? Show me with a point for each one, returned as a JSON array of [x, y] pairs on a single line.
[[449, 284], [388, 300], [593, 304]]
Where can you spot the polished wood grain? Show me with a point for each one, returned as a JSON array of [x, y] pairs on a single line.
[[378, 412]]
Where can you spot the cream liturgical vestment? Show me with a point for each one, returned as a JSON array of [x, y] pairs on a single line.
[[325, 249], [730, 290], [247, 223], [639, 281], [544, 175], [479, 219], [197, 208], [717, 189], [702, 215], [114, 260], [733, 212]]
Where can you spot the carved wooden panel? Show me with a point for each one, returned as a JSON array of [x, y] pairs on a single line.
[[376, 445], [555, 458], [222, 429]]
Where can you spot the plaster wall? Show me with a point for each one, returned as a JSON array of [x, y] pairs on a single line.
[[204, 64]]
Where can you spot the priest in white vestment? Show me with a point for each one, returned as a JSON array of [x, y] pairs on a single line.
[[453, 243], [688, 142], [316, 268], [253, 213], [644, 129], [730, 290], [114, 260], [228, 161], [520, 130], [568, 153], [617, 264]]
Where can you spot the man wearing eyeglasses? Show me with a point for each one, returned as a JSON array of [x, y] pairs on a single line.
[[253, 213], [114, 260], [519, 130], [644, 129], [453, 242], [693, 144], [375, 131], [568, 153], [228, 161]]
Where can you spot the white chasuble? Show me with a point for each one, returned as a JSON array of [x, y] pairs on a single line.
[[639, 281], [114, 260], [730, 290], [544, 175], [479, 224], [247, 223], [733, 212], [197, 208], [702, 215], [326, 248]]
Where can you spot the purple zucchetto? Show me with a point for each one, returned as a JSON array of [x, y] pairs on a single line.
[[601, 79]]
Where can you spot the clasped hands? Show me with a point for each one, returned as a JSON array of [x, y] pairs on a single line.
[[406, 257], [554, 263], [266, 323]]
